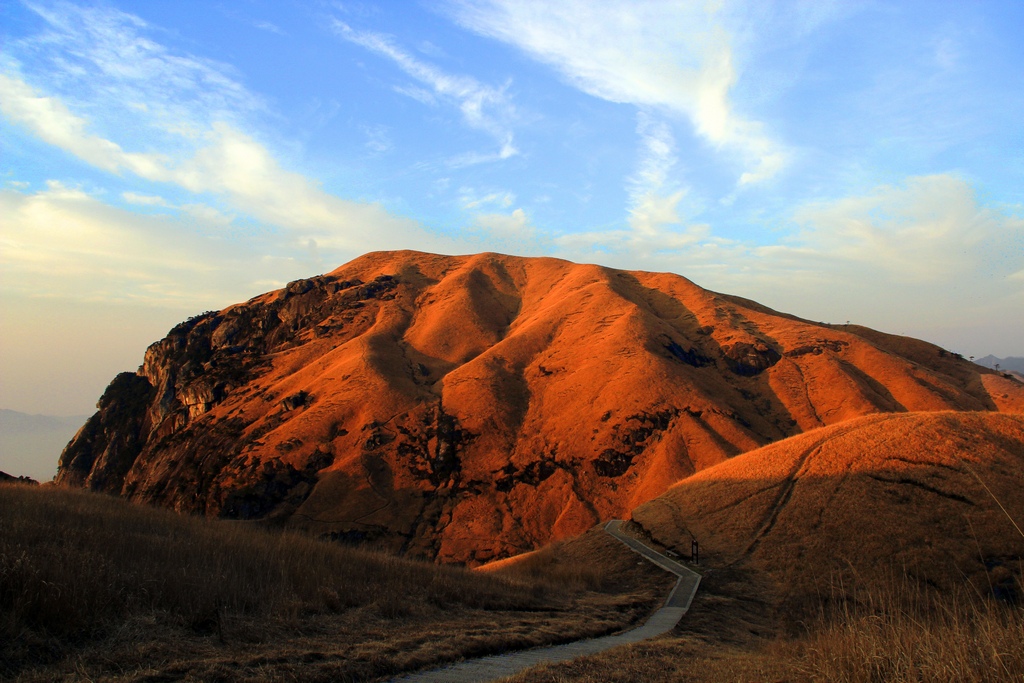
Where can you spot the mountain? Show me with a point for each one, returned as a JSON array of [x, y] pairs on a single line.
[[1012, 365], [29, 444], [11, 479], [936, 496], [467, 408]]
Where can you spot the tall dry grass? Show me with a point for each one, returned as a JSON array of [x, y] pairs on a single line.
[[905, 632], [74, 563], [95, 588], [554, 563]]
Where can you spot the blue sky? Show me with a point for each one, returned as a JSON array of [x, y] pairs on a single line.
[[857, 161]]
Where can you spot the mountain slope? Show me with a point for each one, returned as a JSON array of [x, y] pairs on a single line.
[[874, 496], [473, 407]]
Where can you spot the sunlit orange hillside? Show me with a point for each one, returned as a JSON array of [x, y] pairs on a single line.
[[474, 407], [918, 493]]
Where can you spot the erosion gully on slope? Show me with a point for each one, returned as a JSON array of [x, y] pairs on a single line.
[[500, 666]]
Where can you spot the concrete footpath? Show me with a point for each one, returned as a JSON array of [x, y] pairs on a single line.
[[497, 667]]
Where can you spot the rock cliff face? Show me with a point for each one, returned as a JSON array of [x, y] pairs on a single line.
[[467, 408]]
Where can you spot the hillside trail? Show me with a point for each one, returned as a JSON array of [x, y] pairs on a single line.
[[496, 667]]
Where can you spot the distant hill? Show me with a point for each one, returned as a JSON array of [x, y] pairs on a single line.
[[29, 444], [1012, 364], [9, 479], [468, 408]]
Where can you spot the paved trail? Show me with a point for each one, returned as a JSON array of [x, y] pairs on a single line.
[[499, 666]]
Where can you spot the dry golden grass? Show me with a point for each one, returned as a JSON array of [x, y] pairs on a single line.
[[94, 588], [914, 490], [903, 633], [887, 548], [896, 632]]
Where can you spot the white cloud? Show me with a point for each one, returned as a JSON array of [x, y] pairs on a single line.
[[111, 49], [248, 175], [470, 199], [421, 95], [655, 225], [62, 242], [932, 229], [634, 245], [483, 107], [144, 199], [377, 139], [231, 164], [924, 258], [676, 57], [208, 215], [511, 233], [515, 224], [653, 198], [269, 27], [53, 122]]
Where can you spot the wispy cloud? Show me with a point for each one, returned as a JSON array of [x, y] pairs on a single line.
[[470, 199], [483, 107], [653, 197], [932, 229], [195, 125], [511, 233], [675, 57], [654, 223], [105, 56], [378, 140], [229, 163], [144, 199], [51, 120], [261, 24]]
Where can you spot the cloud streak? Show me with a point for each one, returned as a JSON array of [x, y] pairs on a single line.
[[230, 164], [51, 120], [653, 200], [482, 106], [105, 56], [671, 57]]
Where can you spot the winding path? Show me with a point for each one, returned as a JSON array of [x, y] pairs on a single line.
[[496, 667]]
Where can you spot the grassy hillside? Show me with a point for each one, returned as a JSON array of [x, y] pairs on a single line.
[[930, 496], [886, 548], [93, 587]]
